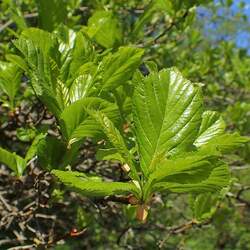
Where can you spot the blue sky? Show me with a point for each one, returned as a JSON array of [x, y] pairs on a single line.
[[247, 6], [242, 37]]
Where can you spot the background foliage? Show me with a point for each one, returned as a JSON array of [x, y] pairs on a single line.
[[200, 38]]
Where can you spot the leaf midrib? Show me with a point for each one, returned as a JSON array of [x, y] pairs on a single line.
[[162, 123]]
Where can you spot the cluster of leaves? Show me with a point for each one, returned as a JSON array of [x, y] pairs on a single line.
[[99, 83], [173, 136]]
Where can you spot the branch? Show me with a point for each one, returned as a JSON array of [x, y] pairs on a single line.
[[29, 247], [115, 198], [172, 24], [10, 22], [182, 229], [237, 196]]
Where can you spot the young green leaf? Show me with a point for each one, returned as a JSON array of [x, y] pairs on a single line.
[[228, 142], [10, 80], [32, 151], [51, 13], [212, 125], [76, 122], [168, 121], [62, 95], [127, 60], [40, 51], [93, 186], [154, 6], [13, 161], [76, 50], [105, 29], [204, 205], [190, 167], [17, 16], [167, 115], [83, 52], [53, 153], [81, 87], [18, 61], [201, 162], [25, 134], [116, 139], [217, 179], [110, 154]]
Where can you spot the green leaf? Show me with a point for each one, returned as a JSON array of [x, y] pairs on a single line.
[[8, 159], [127, 60], [18, 61], [25, 134], [17, 16], [40, 51], [32, 151], [81, 87], [123, 98], [51, 13], [13, 161], [76, 50], [50, 152], [204, 205], [166, 6], [83, 52], [43, 40], [217, 179], [53, 153], [105, 29], [144, 18], [66, 39], [199, 162], [76, 122], [191, 167], [62, 95], [92, 186], [154, 6], [21, 164], [228, 142], [10, 80], [109, 154], [212, 125], [167, 116], [114, 136]]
